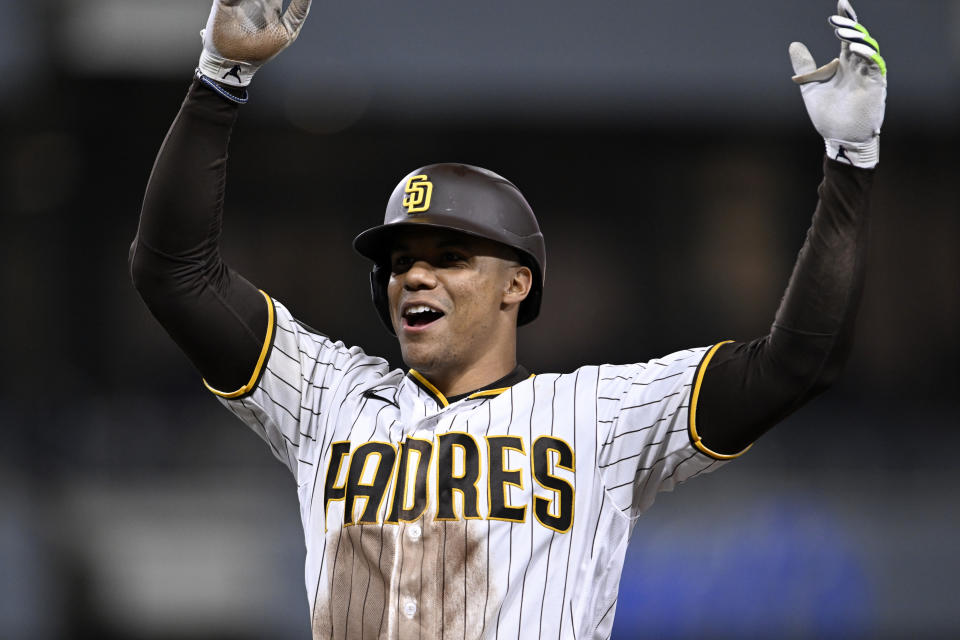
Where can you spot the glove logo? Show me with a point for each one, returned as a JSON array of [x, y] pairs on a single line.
[[233, 72], [419, 189]]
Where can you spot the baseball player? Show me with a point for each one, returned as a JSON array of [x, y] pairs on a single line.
[[467, 496]]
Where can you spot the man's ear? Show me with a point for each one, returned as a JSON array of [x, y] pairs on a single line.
[[519, 284]]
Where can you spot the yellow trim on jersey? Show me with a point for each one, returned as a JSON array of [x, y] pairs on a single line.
[[694, 436], [492, 392], [247, 388], [432, 389], [488, 392]]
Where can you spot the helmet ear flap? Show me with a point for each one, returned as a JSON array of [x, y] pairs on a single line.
[[378, 291]]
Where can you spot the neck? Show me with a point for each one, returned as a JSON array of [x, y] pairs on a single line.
[[490, 367]]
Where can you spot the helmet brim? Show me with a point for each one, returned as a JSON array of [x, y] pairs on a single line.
[[376, 243]]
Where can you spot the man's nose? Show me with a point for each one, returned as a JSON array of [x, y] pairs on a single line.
[[420, 275]]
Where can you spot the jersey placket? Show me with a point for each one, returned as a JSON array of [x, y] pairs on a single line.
[[419, 560], [409, 579]]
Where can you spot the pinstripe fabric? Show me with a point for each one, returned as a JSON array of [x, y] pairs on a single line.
[[545, 482]]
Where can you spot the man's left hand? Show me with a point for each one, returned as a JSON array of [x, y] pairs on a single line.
[[845, 97]]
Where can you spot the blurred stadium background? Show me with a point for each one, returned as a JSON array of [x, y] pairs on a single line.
[[674, 172]]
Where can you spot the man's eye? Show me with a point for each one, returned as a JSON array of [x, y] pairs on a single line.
[[400, 262], [452, 256]]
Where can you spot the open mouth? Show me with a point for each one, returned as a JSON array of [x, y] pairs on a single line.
[[420, 315]]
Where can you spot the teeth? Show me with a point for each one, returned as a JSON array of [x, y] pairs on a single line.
[[420, 308]]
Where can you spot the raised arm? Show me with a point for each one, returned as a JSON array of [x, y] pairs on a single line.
[[218, 318], [748, 387]]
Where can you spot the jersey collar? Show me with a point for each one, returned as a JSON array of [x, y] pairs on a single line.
[[495, 388]]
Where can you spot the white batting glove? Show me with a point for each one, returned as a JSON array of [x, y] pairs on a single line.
[[845, 97], [241, 35]]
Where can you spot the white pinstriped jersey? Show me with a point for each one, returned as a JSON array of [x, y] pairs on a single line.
[[505, 514]]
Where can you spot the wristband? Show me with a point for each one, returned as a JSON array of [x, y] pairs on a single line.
[[213, 84]]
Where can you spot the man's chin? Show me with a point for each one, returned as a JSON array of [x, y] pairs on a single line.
[[421, 355]]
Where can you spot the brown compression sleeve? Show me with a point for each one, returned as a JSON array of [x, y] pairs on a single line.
[[216, 317], [749, 387]]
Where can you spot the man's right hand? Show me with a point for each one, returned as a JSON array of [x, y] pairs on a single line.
[[243, 34]]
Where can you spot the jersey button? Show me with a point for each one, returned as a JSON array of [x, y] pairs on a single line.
[[410, 608], [415, 532]]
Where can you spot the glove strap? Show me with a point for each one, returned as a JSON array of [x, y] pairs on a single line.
[[243, 98], [865, 155]]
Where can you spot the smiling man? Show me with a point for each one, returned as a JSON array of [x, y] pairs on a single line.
[[465, 497], [442, 289]]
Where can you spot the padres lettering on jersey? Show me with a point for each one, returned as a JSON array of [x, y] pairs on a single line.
[[503, 515], [402, 473]]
